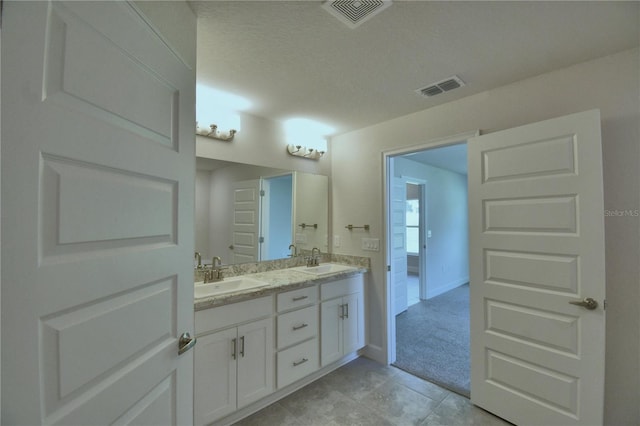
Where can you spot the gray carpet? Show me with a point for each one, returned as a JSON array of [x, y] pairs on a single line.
[[432, 340]]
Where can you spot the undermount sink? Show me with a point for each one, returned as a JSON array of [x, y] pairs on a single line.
[[324, 269], [227, 285]]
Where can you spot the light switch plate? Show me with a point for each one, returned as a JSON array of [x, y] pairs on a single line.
[[371, 244]]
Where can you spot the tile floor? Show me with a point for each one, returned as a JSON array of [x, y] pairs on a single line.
[[366, 393]]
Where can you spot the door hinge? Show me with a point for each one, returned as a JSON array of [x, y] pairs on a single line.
[[604, 304], [388, 268], [261, 240], [262, 192]]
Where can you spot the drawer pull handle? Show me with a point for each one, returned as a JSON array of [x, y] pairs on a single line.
[[234, 344], [298, 327], [242, 346], [295, 299], [302, 361]]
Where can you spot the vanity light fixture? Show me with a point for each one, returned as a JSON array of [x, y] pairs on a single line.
[[304, 152], [213, 133]]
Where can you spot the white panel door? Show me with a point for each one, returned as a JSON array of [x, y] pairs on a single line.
[[399, 244], [536, 245], [245, 230], [97, 217]]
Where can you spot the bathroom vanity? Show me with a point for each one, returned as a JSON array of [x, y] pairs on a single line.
[[258, 344]]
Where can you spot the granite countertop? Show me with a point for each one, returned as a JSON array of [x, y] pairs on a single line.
[[279, 280]]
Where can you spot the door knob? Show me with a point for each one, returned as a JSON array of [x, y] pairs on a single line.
[[185, 343], [587, 303]]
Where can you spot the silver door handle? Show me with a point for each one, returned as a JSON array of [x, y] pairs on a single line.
[[587, 303], [347, 314], [185, 343], [298, 327], [242, 346], [234, 343]]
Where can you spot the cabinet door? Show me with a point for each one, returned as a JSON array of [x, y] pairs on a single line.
[[331, 331], [255, 361], [215, 376], [352, 327]]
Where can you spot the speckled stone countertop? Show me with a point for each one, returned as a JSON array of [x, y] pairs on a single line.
[[279, 280]]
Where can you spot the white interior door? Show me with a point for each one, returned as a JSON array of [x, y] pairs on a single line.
[[537, 245], [245, 230], [97, 217], [399, 243]]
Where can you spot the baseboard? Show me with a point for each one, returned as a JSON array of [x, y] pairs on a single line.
[[443, 289], [376, 353]]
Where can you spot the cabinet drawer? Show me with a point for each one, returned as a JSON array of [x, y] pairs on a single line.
[[297, 298], [342, 287], [297, 362], [236, 313], [296, 326]]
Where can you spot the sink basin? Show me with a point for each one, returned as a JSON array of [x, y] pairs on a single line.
[[324, 269], [227, 285]]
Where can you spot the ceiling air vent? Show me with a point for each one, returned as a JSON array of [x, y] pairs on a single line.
[[355, 12], [441, 86]]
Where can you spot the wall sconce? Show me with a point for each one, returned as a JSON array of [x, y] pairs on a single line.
[[304, 152], [213, 133]]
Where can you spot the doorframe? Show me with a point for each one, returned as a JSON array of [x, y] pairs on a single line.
[[389, 337]]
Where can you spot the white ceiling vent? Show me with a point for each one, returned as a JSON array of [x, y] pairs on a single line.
[[355, 12], [440, 87]]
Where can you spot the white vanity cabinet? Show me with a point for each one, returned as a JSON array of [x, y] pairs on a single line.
[[233, 364], [267, 346], [341, 318], [297, 330]]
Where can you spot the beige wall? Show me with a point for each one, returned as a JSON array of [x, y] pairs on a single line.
[[610, 84]]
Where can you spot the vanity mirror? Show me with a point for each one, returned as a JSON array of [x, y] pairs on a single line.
[[247, 213]]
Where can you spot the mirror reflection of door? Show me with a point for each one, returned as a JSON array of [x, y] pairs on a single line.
[[245, 228], [276, 214]]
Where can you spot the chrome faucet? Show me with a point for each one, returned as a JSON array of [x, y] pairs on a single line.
[[314, 259], [215, 274], [294, 253], [199, 257]]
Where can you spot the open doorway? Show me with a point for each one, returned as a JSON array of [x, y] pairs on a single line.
[[432, 332]]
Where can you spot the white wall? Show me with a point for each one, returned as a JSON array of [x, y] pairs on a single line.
[[610, 84], [448, 248]]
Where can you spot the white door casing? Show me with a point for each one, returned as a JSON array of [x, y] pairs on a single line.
[[97, 217], [537, 243], [399, 243], [245, 230]]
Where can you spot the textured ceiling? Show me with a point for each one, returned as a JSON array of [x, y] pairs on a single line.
[[293, 59]]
